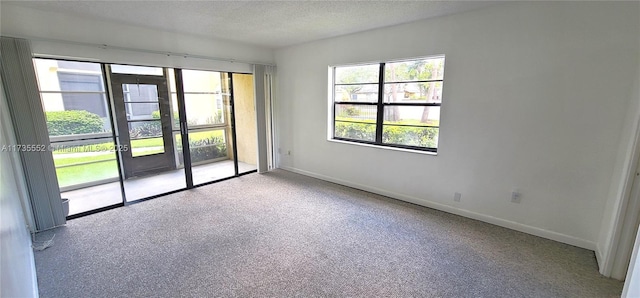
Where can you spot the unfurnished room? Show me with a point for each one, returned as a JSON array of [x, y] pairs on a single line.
[[320, 148]]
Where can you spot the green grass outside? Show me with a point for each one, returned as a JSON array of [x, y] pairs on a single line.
[[86, 173], [73, 175], [61, 160]]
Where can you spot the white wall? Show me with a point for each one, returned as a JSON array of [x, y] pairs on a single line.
[[42, 26], [17, 266], [534, 98]]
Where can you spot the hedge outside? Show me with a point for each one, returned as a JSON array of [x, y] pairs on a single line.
[[73, 122], [402, 135]]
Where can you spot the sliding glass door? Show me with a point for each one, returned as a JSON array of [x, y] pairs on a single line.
[[245, 122], [123, 133], [208, 124]]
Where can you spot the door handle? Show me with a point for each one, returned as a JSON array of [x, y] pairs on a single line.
[[183, 128]]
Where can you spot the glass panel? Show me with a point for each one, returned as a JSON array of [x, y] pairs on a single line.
[[172, 81], [412, 115], [175, 124], [406, 125], [430, 92], [204, 109], [75, 65], [177, 141], [74, 102], [151, 185], [75, 114], [206, 146], [357, 113], [82, 167], [355, 131], [142, 111], [416, 70], [357, 74], [80, 82], [245, 122], [140, 92], [410, 136], [92, 197], [138, 70], [78, 164], [210, 159], [75, 105], [201, 81], [94, 103], [358, 93], [145, 129], [56, 75], [211, 148], [143, 147]]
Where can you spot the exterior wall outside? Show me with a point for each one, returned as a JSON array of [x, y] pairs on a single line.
[[245, 111]]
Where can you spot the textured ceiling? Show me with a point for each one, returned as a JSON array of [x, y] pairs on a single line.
[[270, 24]]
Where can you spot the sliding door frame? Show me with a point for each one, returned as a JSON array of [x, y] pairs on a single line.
[[183, 129]]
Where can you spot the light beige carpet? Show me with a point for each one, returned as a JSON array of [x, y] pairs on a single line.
[[281, 234]]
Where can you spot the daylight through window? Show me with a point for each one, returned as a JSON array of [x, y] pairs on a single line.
[[394, 104]]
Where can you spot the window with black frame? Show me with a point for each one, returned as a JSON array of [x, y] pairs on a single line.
[[393, 104]]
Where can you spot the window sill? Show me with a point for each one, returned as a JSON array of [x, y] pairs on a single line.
[[384, 147]]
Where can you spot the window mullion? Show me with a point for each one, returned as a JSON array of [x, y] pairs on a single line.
[[380, 116]]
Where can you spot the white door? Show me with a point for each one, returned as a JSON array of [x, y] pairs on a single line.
[[629, 230]]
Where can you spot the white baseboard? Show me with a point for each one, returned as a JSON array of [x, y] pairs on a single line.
[[462, 212], [600, 259]]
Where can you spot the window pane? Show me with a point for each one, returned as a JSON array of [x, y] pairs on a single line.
[[94, 103], [172, 80], [206, 146], [357, 113], [201, 81], [142, 111], [358, 93], [175, 124], [203, 109], [412, 115], [75, 65], [75, 122], [80, 82], [357, 74], [430, 92], [91, 162], [355, 131], [139, 70], [140, 92], [410, 136], [145, 129], [74, 114], [147, 146], [416, 70], [56, 75]]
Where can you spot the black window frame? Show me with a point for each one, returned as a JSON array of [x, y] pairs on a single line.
[[380, 105]]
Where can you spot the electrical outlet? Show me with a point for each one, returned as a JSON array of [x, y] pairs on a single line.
[[516, 197], [457, 196]]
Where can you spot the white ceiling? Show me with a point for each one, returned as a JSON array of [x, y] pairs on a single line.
[[270, 24]]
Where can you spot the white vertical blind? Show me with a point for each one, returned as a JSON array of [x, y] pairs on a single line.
[[25, 107], [263, 81]]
